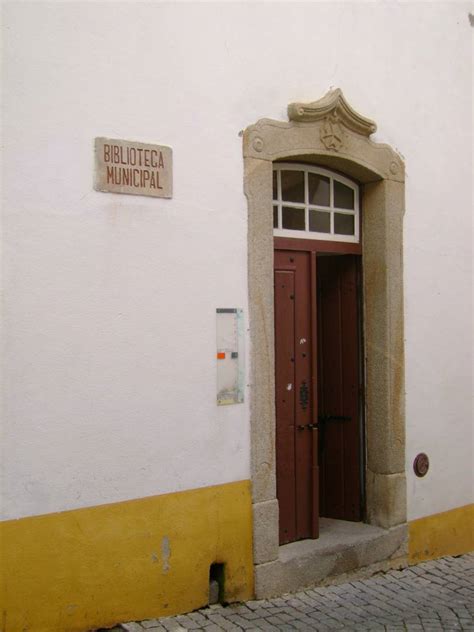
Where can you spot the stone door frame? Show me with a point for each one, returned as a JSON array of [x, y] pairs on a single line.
[[331, 134]]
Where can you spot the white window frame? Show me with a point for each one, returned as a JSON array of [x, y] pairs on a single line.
[[331, 209]]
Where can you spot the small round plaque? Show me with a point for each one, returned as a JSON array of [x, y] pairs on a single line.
[[421, 464], [258, 144]]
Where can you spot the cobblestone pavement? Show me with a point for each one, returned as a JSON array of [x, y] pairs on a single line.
[[437, 595]]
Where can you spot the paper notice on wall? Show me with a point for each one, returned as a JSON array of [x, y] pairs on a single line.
[[230, 356]]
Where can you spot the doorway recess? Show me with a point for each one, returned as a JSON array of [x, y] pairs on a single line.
[[330, 134]]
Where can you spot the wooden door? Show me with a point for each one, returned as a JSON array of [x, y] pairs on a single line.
[[339, 387], [295, 362]]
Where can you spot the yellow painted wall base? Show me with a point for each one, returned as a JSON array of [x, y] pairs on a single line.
[[447, 533], [133, 560]]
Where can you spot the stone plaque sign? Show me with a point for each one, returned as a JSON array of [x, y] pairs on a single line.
[[123, 166]]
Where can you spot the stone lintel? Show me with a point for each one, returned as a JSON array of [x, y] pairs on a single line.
[[275, 140]]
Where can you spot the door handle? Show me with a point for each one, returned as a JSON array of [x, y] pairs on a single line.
[[309, 426]]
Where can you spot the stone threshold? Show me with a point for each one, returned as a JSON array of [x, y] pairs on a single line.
[[343, 550]]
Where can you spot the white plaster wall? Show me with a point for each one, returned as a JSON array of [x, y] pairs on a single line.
[[109, 317]]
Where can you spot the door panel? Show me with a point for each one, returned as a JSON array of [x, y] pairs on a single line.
[[285, 401], [338, 387], [296, 441], [317, 390]]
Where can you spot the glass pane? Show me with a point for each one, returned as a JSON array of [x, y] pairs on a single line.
[[319, 221], [292, 186], [318, 188], [343, 196], [275, 186], [275, 217], [343, 224], [292, 218]]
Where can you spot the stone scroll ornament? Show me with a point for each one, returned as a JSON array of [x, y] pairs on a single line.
[[334, 112]]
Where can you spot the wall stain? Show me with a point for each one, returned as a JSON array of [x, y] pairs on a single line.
[[165, 553]]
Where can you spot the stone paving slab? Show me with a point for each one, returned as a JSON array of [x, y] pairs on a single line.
[[432, 596]]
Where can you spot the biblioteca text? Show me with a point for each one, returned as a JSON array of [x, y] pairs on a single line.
[[133, 166]]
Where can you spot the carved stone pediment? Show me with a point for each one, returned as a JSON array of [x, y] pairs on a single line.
[[327, 132], [335, 111]]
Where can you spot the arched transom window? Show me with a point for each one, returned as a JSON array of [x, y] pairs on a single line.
[[314, 203]]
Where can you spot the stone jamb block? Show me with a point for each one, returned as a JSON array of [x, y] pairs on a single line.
[[387, 494], [265, 526]]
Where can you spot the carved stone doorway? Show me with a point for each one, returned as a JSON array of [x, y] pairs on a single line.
[[329, 133]]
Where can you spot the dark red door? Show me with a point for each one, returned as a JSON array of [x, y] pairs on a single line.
[[338, 387], [295, 361]]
